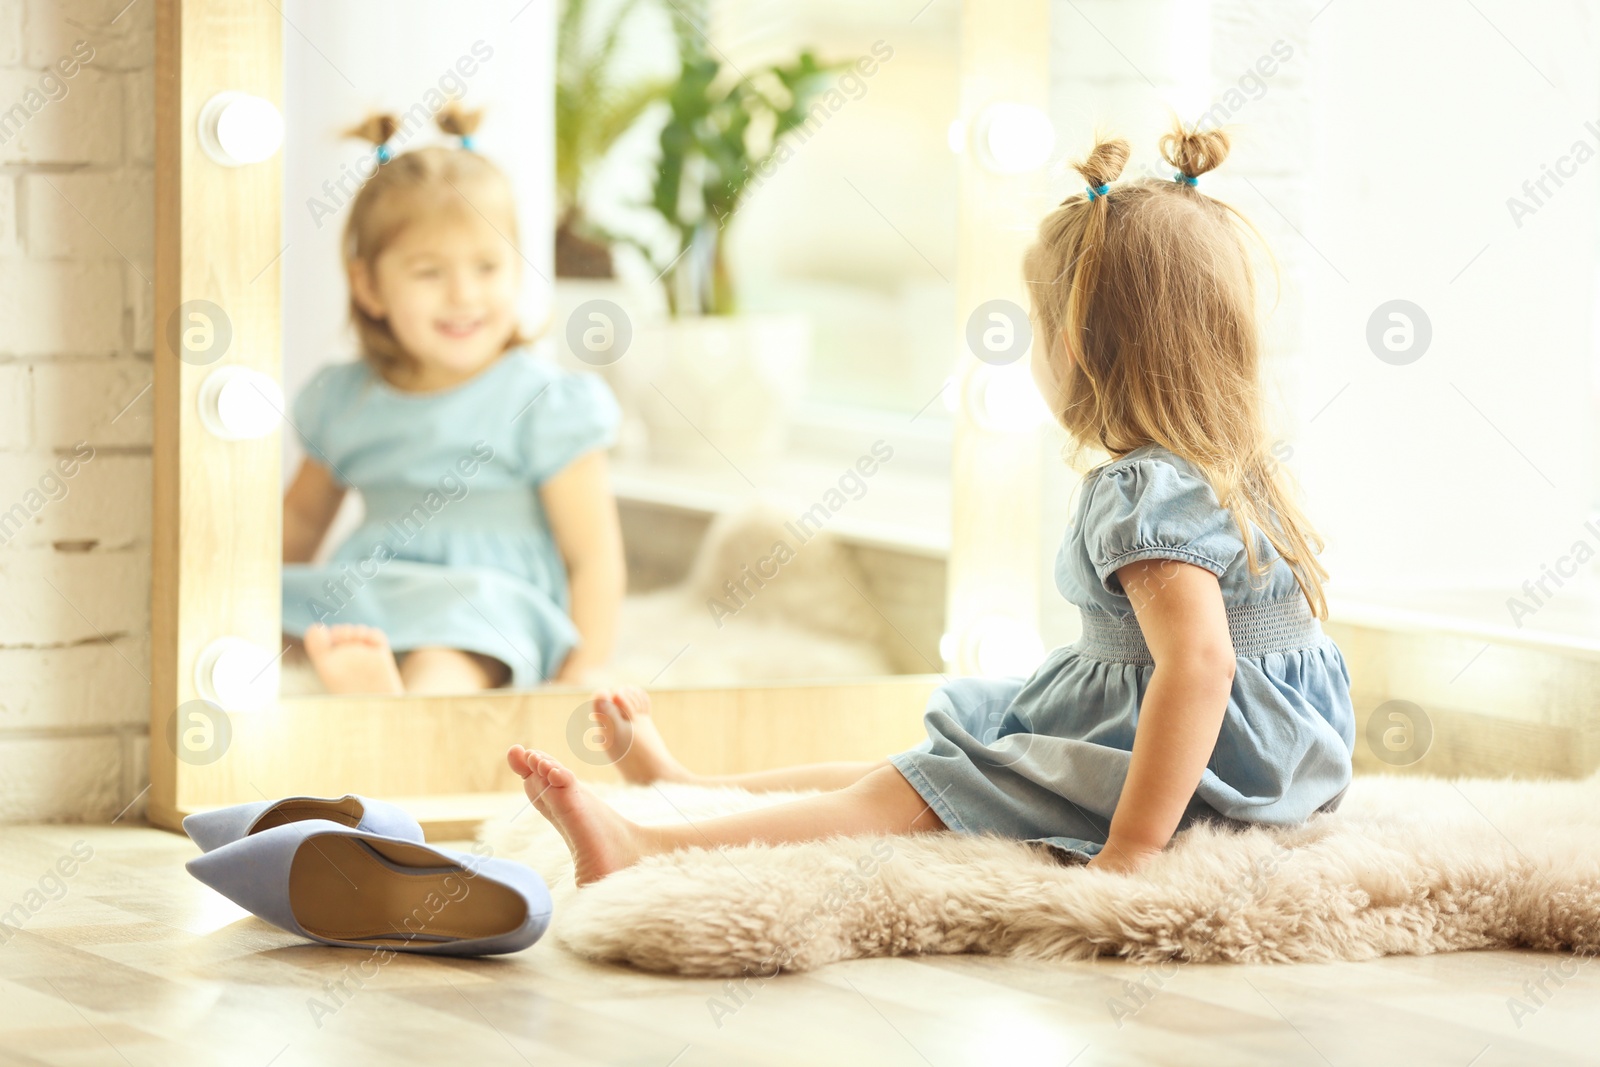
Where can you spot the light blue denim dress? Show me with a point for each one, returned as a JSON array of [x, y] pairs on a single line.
[[455, 550], [1044, 759]]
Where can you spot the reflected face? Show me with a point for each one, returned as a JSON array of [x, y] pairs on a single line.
[[448, 290]]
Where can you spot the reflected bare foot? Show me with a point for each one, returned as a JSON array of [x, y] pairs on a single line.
[[601, 841], [353, 659], [629, 736]]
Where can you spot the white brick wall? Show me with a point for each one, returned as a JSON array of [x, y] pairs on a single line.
[[76, 230]]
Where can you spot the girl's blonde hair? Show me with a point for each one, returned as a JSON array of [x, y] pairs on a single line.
[[411, 185], [1150, 283]]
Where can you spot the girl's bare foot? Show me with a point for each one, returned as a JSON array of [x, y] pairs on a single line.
[[353, 659], [629, 736], [601, 841]]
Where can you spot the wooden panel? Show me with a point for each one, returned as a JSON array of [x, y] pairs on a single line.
[[216, 545], [660, 543], [415, 746], [994, 548], [908, 590], [1495, 705]]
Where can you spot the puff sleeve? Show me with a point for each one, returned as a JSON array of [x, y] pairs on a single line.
[[1154, 509], [571, 415], [312, 410]]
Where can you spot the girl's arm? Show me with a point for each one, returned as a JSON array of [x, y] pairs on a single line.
[[583, 518], [309, 506], [1179, 607]]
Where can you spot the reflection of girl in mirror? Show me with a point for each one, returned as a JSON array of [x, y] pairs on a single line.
[[1202, 689], [490, 551]]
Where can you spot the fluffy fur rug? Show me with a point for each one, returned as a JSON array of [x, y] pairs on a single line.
[[1407, 866], [808, 622]]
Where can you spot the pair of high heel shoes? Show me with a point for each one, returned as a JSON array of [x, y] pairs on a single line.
[[354, 872]]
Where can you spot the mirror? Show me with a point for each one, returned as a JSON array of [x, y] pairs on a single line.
[[743, 340]]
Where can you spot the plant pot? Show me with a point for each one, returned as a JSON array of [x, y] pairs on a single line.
[[580, 256], [718, 388], [582, 305]]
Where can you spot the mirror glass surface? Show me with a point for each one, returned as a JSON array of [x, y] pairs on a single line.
[[728, 234]]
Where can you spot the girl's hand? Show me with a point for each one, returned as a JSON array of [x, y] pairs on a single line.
[[1123, 858]]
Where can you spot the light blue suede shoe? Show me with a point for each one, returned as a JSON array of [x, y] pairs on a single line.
[[356, 889], [213, 829]]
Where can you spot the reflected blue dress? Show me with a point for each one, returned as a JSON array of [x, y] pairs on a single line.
[[455, 550], [1043, 759]]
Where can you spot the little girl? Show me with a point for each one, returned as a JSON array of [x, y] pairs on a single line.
[[1203, 686], [490, 551]]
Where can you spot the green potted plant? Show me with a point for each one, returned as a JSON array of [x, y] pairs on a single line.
[[720, 379], [723, 128], [595, 104]]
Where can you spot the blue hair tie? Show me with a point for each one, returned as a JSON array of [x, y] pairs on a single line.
[[1187, 179], [467, 143], [1097, 190], [384, 155]]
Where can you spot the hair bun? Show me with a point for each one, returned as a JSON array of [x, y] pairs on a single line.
[[1194, 151], [379, 128], [1104, 163], [458, 122]]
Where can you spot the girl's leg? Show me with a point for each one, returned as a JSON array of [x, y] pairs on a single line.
[[626, 731], [601, 841], [450, 670], [838, 775], [352, 659]]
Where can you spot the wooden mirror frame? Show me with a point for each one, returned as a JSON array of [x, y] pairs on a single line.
[[217, 503]]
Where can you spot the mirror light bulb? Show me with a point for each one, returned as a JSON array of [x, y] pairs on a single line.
[[1005, 400], [1014, 138], [237, 129], [237, 675], [239, 404], [1000, 646]]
